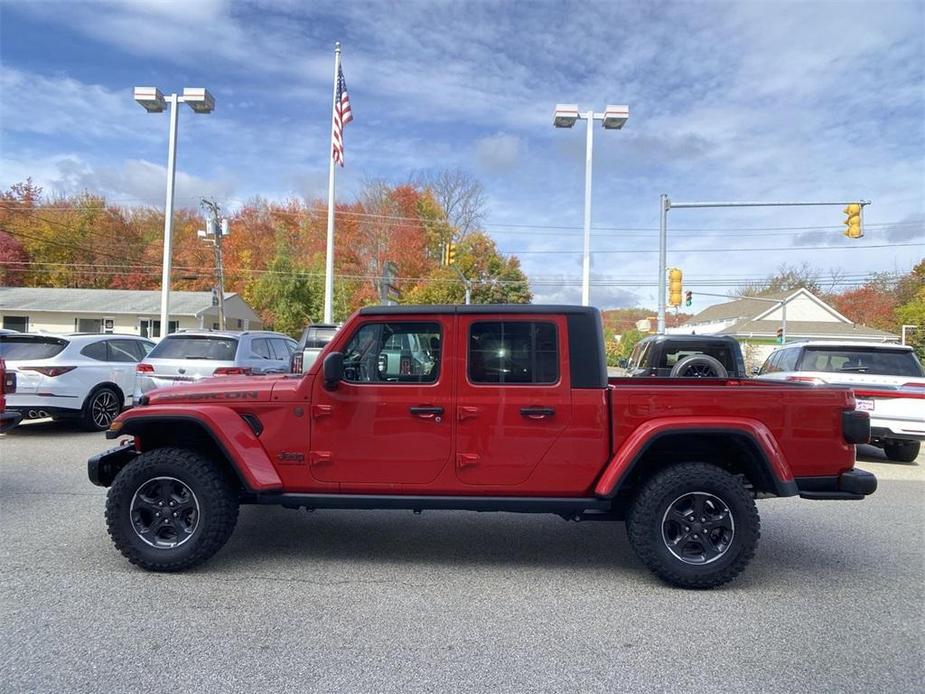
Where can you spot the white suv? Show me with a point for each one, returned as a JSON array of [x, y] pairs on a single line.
[[86, 377], [888, 381]]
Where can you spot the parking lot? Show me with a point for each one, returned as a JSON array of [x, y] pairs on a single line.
[[389, 601]]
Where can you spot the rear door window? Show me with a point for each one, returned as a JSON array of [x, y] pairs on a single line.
[[676, 351], [20, 347], [788, 360], [96, 350], [513, 352], [260, 349], [210, 347], [283, 349]]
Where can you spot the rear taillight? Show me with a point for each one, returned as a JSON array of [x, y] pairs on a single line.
[[143, 368], [49, 370], [230, 371], [295, 364], [9, 383], [805, 379]]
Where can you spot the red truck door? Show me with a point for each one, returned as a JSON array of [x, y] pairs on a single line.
[[513, 396], [389, 421]]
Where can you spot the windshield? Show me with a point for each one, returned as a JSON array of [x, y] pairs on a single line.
[[209, 347], [860, 360], [17, 347]]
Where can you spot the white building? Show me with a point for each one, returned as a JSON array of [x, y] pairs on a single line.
[[132, 312]]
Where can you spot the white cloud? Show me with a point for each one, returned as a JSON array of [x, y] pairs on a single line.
[[498, 153]]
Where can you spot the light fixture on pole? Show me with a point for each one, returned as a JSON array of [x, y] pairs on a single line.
[[153, 101], [613, 118]]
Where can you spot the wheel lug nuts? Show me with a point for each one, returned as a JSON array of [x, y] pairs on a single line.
[[158, 514], [686, 529], [174, 514]]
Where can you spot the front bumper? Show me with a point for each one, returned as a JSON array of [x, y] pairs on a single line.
[[852, 485], [103, 467]]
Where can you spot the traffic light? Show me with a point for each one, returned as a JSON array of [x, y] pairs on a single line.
[[688, 298], [674, 287], [780, 336], [449, 253], [853, 221]]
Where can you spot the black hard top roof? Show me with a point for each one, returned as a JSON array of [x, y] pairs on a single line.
[[475, 308], [679, 337]]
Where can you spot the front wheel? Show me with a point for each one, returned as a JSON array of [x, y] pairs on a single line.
[[902, 451], [170, 509], [694, 525]]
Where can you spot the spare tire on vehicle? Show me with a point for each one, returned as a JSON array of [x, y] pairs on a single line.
[[699, 366]]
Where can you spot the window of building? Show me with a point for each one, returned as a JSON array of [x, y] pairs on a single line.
[[393, 353], [18, 323], [88, 325], [152, 328], [523, 352]]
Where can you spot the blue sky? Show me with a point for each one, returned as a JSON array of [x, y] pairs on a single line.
[[728, 101]]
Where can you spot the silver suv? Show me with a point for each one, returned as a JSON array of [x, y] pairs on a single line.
[[192, 355]]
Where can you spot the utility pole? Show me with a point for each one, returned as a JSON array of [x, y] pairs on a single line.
[[216, 228]]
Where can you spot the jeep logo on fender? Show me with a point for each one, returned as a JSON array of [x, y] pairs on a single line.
[[229, 395]]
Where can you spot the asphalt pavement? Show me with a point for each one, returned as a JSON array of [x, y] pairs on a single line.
[[367, 601]]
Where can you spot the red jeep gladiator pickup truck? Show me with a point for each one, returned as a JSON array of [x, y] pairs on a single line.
[[486, 408]]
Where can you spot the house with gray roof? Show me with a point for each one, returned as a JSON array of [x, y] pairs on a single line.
[[755, 321], [124, 311]]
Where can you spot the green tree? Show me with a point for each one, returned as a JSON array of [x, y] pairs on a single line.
[[913, 313], [493, 278]]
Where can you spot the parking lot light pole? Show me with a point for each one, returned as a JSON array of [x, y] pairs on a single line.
[[613, 118], [153, 101]]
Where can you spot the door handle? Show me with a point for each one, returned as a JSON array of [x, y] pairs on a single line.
[[468, 413], [321, 410], [537, 412], [426, 411], [464, 460]]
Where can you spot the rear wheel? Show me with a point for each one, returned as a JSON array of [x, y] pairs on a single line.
[[170, 509], [103, 406], [902, 451], [694, 525]]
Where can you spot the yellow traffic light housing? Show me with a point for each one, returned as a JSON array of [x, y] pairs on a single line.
[[853, 221], [449, 253], [674, 287]]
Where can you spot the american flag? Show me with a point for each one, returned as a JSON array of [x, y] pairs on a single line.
[[342, 116]]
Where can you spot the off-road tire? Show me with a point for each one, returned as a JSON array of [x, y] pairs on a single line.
[[217, 503], [650, 506], [105, 398], [902, 452]]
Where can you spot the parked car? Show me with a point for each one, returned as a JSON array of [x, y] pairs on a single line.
[[191, 355], [888, 380], [78, 376], [687, 356], [313, 340], [8, 419], [508, 409]]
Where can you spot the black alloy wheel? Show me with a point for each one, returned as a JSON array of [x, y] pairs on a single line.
[[164, 512], [700, 370], [101, 409], [698, 528]]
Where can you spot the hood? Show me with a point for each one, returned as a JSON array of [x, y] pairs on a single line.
[[222, 389]]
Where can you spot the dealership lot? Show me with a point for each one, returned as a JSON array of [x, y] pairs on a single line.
[[389, 601]]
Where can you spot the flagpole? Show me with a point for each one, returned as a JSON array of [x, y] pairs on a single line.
[[329, 254]]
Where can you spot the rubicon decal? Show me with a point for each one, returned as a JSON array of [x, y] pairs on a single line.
[[228, 395]]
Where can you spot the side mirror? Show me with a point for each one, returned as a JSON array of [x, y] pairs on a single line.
[[756, 370], [623, 362], [333, 369]]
